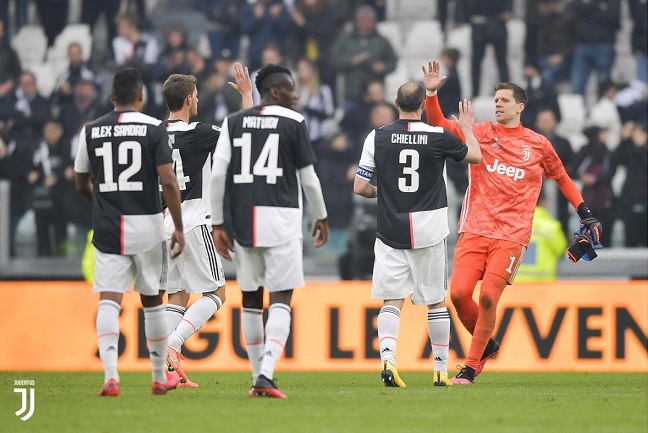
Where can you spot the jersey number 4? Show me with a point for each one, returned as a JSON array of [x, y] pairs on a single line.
[[410, 158], [267, 163], [178, 169], [134, 164]]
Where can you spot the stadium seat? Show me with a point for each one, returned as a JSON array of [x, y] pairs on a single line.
[[392, 31], [423, 38], [410, 9], [203, 46], [484, 108], [572, 111], [412, 65], [576, 139], [624, 69], [394, 80], [79, 33], [460, 38], [489, 73], [30, 43], [516, 30], [45, 78]]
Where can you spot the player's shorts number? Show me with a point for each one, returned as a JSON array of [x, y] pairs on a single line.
[[267, 163], [410, 157], [134, 164]]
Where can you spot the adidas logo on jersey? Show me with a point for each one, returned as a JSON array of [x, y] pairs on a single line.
[[510, 171]]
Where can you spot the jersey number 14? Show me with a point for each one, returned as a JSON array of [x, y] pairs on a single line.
[[265, 165]]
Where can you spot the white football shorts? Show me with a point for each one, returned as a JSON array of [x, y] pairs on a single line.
[[198, 269], [114, 272], [275, 268], [422, 273]]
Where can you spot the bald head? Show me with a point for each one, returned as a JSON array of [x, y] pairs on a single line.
[[410, 96]]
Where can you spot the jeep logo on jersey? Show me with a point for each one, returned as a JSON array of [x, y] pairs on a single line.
[[510, 171], [526, 153]]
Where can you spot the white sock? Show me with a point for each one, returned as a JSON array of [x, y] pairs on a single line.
[[156, 329], [252, 324], [194, 319], [277, 331], [388, 325], [439, 332], [175, 313], [108, 337]]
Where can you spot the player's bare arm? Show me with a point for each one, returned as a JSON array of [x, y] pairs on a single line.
[[313, 192], [466, 120], [242, 84], [171, 194], [432, 78], [83, 183], [364, 188]]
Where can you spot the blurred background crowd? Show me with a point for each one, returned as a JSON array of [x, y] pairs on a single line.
[[582, 62]]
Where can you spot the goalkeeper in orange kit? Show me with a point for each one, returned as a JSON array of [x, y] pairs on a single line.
[[497, 213]]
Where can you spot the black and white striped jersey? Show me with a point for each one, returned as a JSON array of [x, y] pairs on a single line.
[[122, 151], [265, 147], [408, 158], [193, 145]]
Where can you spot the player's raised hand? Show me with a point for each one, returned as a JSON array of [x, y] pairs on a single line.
[[466, 118], [222, 241], [432, 78], [320, 232], [243, 83], [177, 243]]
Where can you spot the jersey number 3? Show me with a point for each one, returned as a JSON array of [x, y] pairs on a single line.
[[410, 158], [267, 163], [134, 165]]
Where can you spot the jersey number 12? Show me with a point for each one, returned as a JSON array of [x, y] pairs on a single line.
[[267, 163], [123, 181]]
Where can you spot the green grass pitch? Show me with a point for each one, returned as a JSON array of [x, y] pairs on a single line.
[[335, 402]]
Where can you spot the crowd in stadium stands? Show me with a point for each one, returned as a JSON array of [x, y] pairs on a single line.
[[341, 57]]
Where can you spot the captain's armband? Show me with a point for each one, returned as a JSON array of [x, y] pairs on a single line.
[[364, 173]]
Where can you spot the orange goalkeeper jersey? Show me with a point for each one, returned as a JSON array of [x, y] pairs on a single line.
[[503, 188]]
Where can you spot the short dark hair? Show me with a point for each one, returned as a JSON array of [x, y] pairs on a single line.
[[453, 54], [264, 81], [605, 86], [519, 94], [176, 89], [410, 96], [126, 86]]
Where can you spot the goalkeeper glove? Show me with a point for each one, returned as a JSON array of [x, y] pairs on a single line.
[[581, 248], [590, 225]]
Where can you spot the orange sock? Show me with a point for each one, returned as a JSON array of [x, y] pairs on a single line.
[[491, 289], [462, 286]]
